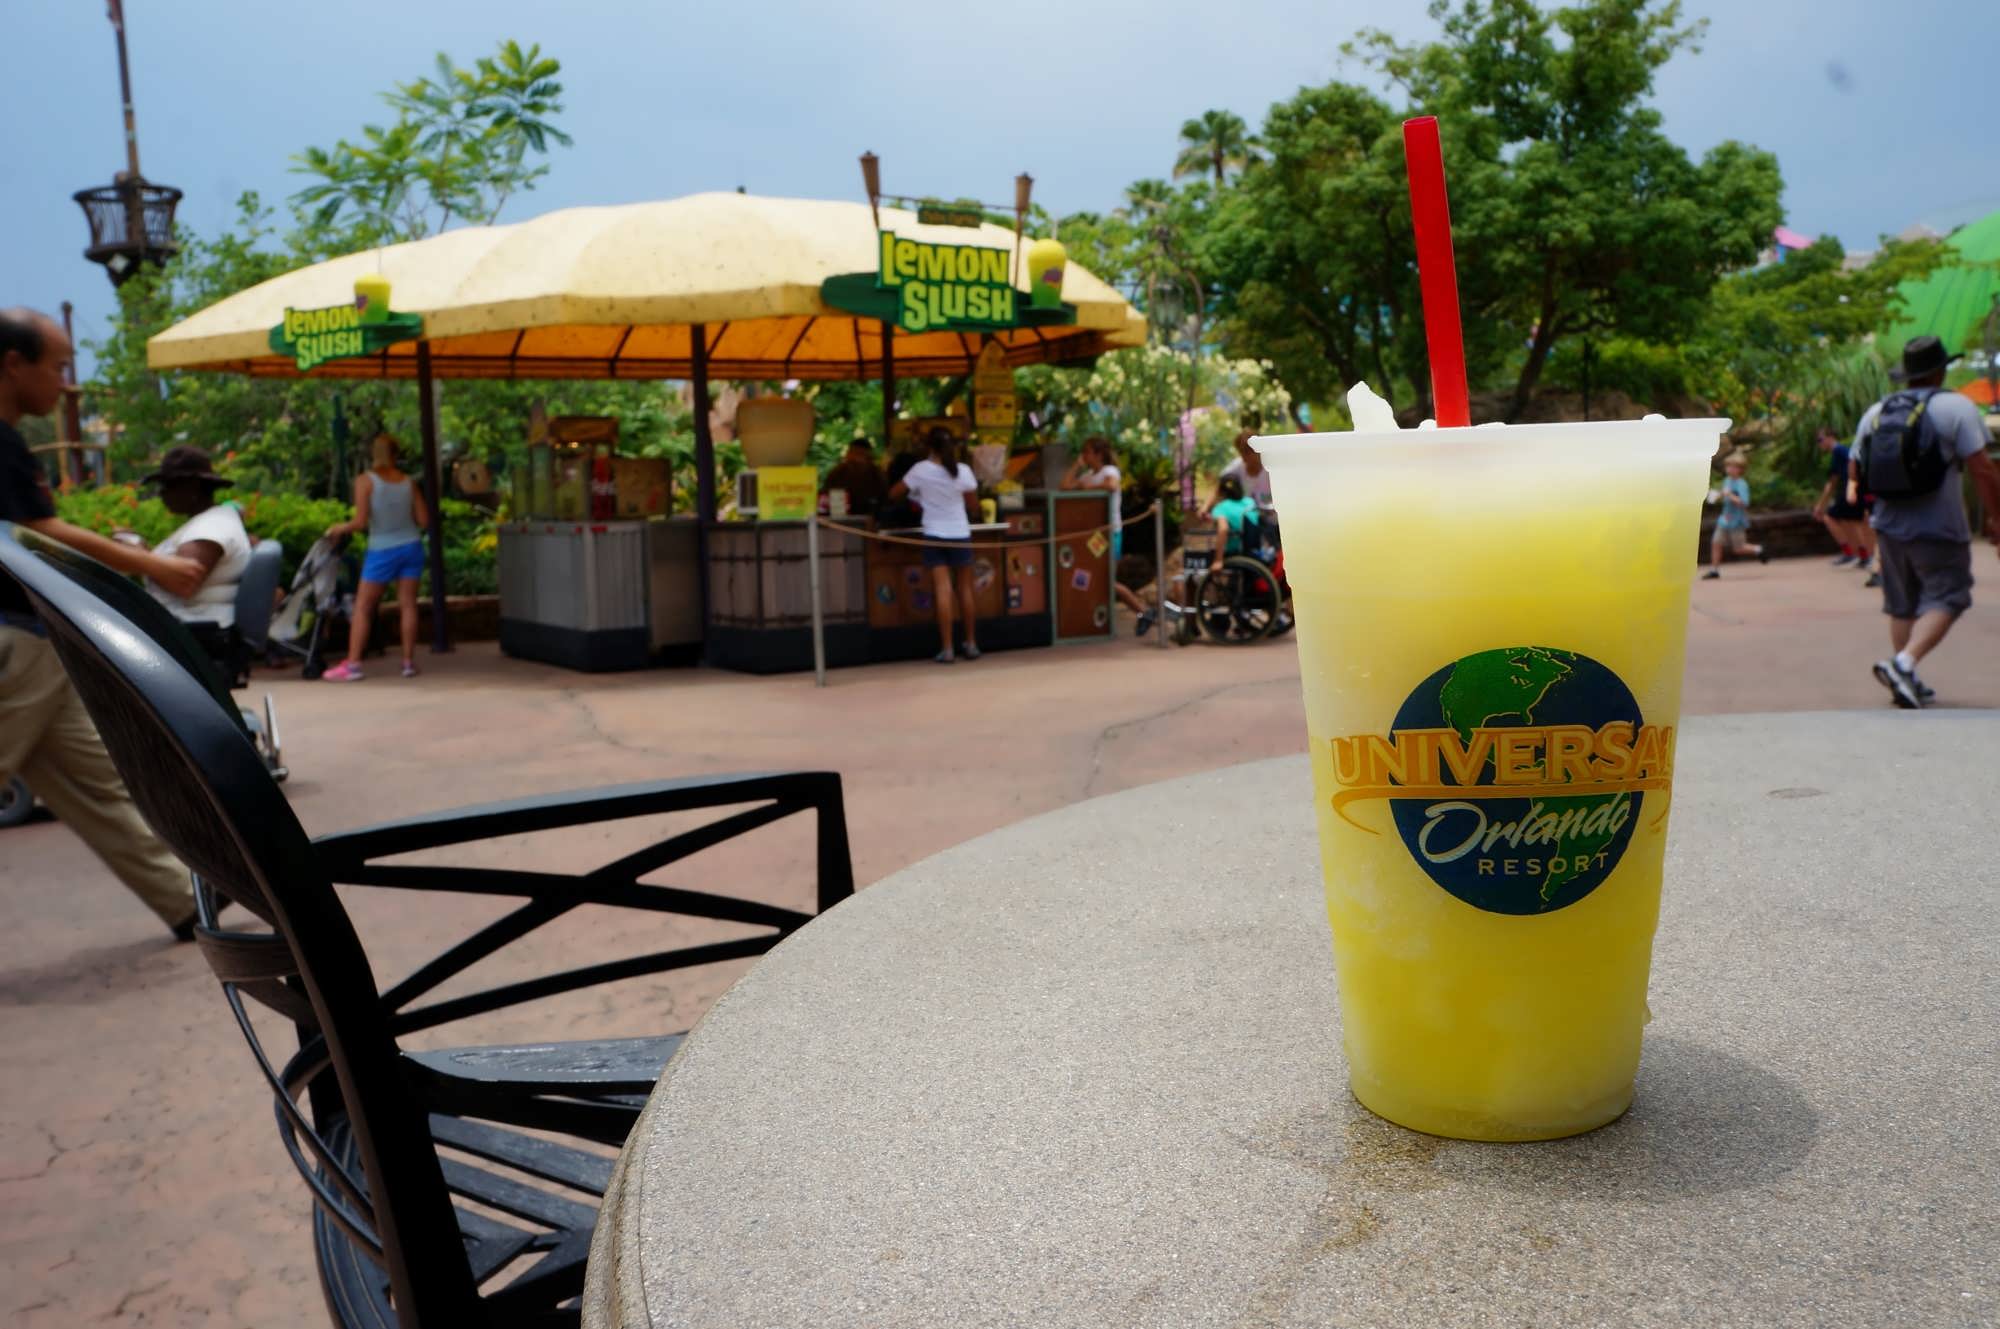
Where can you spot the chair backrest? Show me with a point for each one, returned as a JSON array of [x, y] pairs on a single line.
[[132, 602], [201, 786], [257, 594]]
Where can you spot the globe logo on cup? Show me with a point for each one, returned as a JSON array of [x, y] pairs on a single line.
[[1515, 777]]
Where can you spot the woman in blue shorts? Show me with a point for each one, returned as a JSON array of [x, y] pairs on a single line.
[[388, 506], [943, 487]]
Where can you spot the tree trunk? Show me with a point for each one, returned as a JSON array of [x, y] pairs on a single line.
[[1538, 358]]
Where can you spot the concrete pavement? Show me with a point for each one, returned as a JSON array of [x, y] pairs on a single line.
[[141, 1179]]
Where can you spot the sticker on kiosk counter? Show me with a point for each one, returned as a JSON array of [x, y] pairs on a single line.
[[1097, 544], [1066, 556], [1080, 579]]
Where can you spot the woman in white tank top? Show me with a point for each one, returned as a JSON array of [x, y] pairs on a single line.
[[388, 505]]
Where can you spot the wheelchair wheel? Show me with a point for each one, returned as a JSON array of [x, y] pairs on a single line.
[[16, 803], [1238, 603]]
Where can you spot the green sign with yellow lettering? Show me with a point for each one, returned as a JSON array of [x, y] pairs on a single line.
[[365, 326], [924, 287]]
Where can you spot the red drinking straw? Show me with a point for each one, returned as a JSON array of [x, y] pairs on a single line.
[[1430, 210]]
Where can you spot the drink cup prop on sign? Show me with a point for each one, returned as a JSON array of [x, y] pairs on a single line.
[[1492, 627]]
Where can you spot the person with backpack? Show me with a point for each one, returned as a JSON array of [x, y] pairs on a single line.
[[1912, 451]]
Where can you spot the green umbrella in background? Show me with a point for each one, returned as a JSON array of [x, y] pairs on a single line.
[[1952, 302]]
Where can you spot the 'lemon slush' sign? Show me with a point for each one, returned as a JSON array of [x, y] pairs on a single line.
[[363, 327], [941, 286]]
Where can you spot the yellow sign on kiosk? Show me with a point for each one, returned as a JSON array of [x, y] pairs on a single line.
[[787, 493]]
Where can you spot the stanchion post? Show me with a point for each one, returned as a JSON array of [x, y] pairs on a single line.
[[819, 617], [1160, 569]]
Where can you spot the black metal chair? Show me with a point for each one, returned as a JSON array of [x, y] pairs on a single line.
[[219, 658], [441, 1196]]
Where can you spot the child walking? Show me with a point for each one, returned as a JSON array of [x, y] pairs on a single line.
[[1732, 525]]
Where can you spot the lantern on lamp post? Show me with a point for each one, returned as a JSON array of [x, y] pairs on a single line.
[[131, 219]]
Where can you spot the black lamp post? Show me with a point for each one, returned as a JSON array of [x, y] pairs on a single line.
[[131, 219]]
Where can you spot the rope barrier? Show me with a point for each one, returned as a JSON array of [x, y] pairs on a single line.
[[1043, 537]]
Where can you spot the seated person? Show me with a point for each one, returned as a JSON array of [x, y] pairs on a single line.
[[859, 477], [213, 538], [1232, 511]]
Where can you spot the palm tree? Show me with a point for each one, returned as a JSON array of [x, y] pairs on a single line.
[[1145, 199], [1217, 142]]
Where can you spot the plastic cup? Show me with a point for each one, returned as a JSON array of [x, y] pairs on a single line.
[[1492, 627]]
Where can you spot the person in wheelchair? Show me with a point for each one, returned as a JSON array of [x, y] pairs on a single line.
[[212, 536], [1245, 526], [1232, 512]]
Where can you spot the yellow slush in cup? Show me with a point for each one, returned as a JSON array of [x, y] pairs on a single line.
[[1492, 626]]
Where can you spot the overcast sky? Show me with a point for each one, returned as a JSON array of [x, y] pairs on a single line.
[[1874, 127]]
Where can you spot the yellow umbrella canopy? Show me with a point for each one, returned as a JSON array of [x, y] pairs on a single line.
[[615, 292]]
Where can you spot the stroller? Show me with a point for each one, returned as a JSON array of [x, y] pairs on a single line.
[[322, 590]]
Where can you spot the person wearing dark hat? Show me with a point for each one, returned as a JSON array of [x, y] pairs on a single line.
[[1912, 451], [213, 536], [46, 736]]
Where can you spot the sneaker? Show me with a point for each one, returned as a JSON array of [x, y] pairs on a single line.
[[969, 651], [184, 930], [942, 657], [1144, 625], [1925, 691], [1902, 687], [1874, 580], [1710, 575], [344, 672], [1763, 553], [1843, 560], [409, 669]]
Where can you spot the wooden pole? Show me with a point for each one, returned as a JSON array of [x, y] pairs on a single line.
[[72, 412], [434, 483]]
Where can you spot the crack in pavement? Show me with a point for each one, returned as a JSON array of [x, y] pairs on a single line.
[[1104, 735], [118, 1312], [57, 1150], [575, 697]]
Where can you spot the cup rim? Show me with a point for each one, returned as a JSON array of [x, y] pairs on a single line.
[[1484, 438]]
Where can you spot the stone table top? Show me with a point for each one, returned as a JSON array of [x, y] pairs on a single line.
[[1086, 1071]]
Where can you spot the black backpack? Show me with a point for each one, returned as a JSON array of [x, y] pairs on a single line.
[[1902, 457]]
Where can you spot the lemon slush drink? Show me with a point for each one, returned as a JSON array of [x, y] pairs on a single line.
[[1492, 625]]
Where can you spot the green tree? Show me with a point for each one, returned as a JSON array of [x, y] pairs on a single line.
[[1215, 142], [1574, 215], [464, 141]]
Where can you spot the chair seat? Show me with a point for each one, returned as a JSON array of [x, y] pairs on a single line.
[[545, 1235], [592, 1068]]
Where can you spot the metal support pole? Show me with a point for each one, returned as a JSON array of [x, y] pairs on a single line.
[[1160, 569], [434, 482], [888, 388], [819, 617], [704, 465]]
